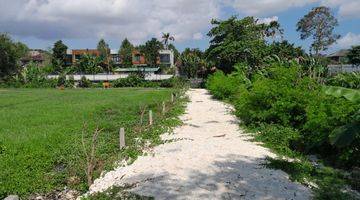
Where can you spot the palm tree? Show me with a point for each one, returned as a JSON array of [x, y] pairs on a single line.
[[166, 38]]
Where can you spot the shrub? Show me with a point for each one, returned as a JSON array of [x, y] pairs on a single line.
[[280, 98], [292, 112], [174, 82], [61, 80], [84, 82], [222, 86], [132, 80], [70, 83], [348, 80], [281, 139]]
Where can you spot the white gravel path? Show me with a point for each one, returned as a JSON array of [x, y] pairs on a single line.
[[211, 159]]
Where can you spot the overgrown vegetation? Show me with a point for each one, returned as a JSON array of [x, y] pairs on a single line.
[[41, 134], [286, 99]]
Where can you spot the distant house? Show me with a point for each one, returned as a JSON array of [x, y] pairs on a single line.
[[166, 57], [339, 57], [35, 56]]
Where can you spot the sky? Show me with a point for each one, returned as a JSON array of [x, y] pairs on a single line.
[[82, 23]]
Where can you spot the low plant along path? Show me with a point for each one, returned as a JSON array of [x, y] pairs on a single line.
[[208, 157]]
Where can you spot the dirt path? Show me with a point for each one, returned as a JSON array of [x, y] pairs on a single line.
[[210, 159]]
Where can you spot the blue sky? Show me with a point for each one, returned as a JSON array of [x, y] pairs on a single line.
[[81, 23]]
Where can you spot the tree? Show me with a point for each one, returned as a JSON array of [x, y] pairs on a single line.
[[176, 52], [151, 51], [193, 64], [286, 51], [354, 55], [59, 56], [166, 39], [89, 64], [125, 53], [237, 40], [319, 24], [10, 54], [104, 51]]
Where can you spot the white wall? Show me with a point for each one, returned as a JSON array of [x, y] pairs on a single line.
[[112, 77]]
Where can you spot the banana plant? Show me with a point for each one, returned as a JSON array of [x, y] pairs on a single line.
[[345, 135]]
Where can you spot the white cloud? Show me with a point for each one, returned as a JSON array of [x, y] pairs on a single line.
[[139, 19], [135, 19], [346, 8], [266, 7], [350, 39], [198, 36], [268, 20]]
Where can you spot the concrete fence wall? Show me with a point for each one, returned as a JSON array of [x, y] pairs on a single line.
[[335, 69], [112, 77]]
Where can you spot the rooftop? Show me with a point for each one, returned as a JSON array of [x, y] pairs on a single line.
[[340, 53]]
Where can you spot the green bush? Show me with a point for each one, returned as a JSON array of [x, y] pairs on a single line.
[[84, 82], [61, 80], [280, 97], [132, 80], [348, 80], [292, 113], [175, 82], [222, 86]]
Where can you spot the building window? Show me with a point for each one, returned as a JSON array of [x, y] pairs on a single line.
[[137, 58], [116, 59], [164, 58]]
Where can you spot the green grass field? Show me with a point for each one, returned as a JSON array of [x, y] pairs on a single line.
[[41, 134]]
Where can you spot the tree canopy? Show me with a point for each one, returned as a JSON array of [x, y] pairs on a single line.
[[319, 24], [125, 53], [285, 50], [354, 55], [104, 56], [166, 39], [59, 56], [151, 51], [10, 54], [104, 49], [239, 40]]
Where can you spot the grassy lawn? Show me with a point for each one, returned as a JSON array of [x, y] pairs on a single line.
[[41, 134]]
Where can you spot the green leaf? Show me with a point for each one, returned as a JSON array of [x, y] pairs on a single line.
[[344, 135], [349, 94]]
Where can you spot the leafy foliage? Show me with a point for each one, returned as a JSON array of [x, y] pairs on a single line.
[[125, 52], [286, 51], [354, 55], [347, 80], [349, 94], [284, 98], [239, 40], [319, 24], [89, 64], [151, 51], [193, 64], [10, 54], [104, 56], [222, 86], [166, 39], [59, 56], [84, 82]]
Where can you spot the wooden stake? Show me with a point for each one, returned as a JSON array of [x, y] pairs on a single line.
[[122, 138], [150, 117], [172, 97], [163, 108]]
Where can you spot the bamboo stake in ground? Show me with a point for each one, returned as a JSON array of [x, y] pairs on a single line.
[[163, 108], [122, 138], [150, 117]]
